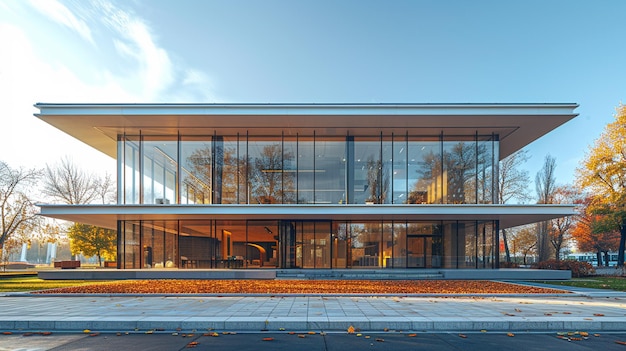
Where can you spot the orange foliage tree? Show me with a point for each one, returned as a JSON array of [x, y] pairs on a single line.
[[603, 173], [587, 236]]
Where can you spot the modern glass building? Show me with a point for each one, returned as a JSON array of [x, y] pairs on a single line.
[[307, 185]]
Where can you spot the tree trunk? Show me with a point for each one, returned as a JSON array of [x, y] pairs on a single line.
[[599, 258], [622, 243]]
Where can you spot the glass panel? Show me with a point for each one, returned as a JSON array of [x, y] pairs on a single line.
[[131, 170], [308, 245], [399, 245], [322, 244], [131, 245], [400, 177], [198, 246], [290, 170], [368, 182], [265, 156], [288, 245], [425, 183], [460, 171], [330, 170], [159, 248], [159, 170], [386, 171], [262, 244], [196, 170], [232, 248], [387, 246], [486, 170], [340, 245], [424, 244], [455, 245], [230, 171], [469, 231], [365, 244], [487, 238], [306, 169]]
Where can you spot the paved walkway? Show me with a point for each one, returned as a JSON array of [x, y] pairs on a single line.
[[584, 309]]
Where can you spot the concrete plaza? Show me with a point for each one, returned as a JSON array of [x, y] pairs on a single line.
[[580, 309]]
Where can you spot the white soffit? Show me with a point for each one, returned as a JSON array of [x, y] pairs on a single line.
[[99, 124], [108, 215]]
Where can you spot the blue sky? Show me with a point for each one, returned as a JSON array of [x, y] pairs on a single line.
[[309, 51]]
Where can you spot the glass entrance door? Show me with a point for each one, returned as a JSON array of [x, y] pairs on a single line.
[[423, 252], [417, 252], [305, 244]]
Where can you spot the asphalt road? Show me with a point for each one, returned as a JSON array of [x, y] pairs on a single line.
[[311, 342]]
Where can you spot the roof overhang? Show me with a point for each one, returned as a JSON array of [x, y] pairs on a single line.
[[99, 124], [108, 215]]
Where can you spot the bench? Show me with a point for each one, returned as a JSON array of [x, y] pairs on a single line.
[[67, 264]]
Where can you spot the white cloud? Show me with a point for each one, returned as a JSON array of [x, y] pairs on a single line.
[[27, 77], [61, 14]]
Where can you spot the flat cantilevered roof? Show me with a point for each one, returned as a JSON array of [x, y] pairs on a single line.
[[508, 215], [99, 124]]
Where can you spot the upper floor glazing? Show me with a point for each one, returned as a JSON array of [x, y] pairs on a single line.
[[252, 168]]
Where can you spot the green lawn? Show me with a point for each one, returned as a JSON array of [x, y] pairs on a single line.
[[611, 283], [9, 283]]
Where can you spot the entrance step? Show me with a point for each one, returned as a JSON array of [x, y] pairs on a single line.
[[374, 274]]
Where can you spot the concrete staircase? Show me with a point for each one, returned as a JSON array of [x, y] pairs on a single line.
[[369, 274]]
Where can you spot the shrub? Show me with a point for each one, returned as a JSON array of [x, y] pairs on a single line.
[[578, 268]]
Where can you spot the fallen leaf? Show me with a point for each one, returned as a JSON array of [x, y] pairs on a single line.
[[350, 330], [510, 334], [463, 336], [412, 335], [620, 342], [598, 314], [268, 339], [380, 339]]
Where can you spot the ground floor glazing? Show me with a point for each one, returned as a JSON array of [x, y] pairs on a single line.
[[313, 244]]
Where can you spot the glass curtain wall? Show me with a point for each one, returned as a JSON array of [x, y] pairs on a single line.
[[308, 169], [259, 244]]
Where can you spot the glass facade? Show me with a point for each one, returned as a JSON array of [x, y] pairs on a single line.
[[251, 168], [307, 244], [309, 169]]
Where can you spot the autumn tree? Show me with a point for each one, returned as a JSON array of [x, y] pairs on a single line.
[[17, 212], [559, 229], [524, 241], [603, 173], [586, 232], [512, 184], [93, 241], [545, 184]]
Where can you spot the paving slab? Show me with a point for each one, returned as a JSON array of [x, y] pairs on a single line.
[[595, 310]]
